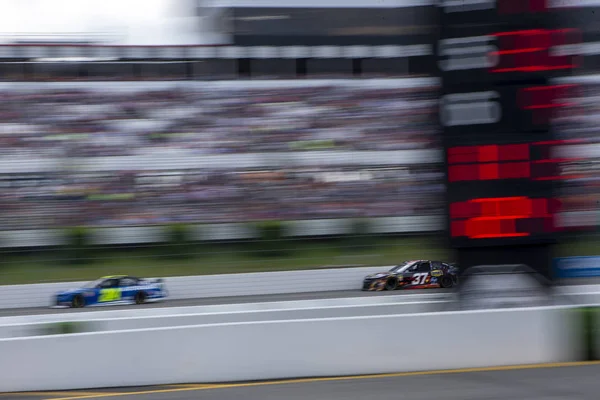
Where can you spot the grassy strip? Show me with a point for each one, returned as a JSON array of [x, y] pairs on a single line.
[[204, 259]]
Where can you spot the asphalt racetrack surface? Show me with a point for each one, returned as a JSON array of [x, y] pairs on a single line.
[[577, 381], [9, 312]]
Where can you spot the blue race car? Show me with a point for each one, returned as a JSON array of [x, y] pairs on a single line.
[[113, 290]]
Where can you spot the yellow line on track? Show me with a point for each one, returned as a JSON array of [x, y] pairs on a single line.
[[187, 385], [192, 387], [75, 393], [189, 388]]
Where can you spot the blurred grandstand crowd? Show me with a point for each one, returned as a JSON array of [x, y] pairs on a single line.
[[212, 121], [71, 123], [91, 123]]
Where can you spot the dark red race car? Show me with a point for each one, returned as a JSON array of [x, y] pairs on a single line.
[[415, 274]]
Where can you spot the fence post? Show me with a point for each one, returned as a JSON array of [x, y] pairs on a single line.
[[589, 333]]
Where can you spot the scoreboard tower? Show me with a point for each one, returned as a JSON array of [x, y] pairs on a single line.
[[496, 60]]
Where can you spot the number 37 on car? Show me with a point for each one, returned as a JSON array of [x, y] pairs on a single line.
[[416, 274]]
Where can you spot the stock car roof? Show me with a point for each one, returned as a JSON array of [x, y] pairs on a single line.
[[137, 278], [113, 276], [430, 261]]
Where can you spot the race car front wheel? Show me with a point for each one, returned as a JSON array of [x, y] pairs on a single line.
[[391, 284]]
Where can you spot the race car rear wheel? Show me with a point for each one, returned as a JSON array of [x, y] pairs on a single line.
[[77, 302], [391, 284], [140, 298], [446, 282]]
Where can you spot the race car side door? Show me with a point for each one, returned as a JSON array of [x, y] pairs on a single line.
[[419, 274], [129, 287], [109, 291]]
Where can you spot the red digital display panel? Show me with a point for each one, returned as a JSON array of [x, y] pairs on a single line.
[[496, 63], [503, 192], [534, 50], [512, 161], [501, 217]]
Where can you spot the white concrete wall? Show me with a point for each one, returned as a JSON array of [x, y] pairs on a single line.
[[286, 349]]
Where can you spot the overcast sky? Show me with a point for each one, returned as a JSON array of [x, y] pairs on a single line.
[[140, 21]]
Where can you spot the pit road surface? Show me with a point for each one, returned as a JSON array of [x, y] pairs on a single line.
[[9, 312], [576, 381]]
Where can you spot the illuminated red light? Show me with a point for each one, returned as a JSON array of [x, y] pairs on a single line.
[[521, 6], [513, 152], [463, 154], [472, 163], [549, 96], [500, 217], [489, 171], [488, 153], [520, 170], [511, 161], [544, 101], [531, 50]]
